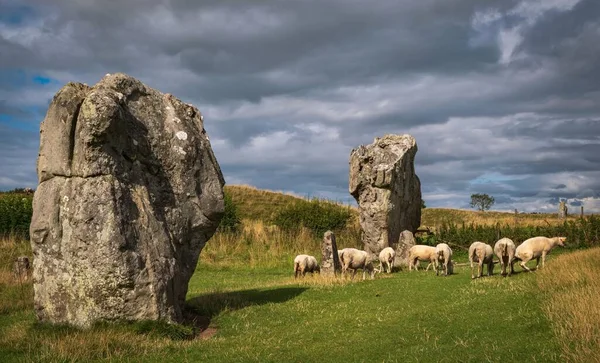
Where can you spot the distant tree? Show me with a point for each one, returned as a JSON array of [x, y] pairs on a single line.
[[482, 201], [423, 206]]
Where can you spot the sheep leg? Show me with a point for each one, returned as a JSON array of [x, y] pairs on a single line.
[[512, 267], [416, 264], [523, 262], [480, 268], [543, 259], [537, 263], [491, 268], [472, 270], [353, 273], [446, 268]]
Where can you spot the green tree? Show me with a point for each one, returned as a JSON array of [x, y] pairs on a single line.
[[482, 201], [423, 206]]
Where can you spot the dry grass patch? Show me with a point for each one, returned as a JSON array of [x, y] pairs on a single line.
[[51, 344], [432, 217], [571, 284], [258, 244]]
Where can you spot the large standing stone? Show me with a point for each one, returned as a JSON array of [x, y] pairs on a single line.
[[388, 192], [129, 193], [330, 261], [405, 242]]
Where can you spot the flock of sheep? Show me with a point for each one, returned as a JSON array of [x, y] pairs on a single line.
[[440, 257]]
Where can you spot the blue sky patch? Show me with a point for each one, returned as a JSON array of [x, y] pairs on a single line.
[[42, 80], [15, 14]]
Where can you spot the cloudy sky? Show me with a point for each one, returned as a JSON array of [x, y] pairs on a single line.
[[502, 96]]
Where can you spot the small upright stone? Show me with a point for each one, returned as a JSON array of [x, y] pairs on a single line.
[[405, 242], [330, 263], [21, 269], [388, 192], [563, 209]]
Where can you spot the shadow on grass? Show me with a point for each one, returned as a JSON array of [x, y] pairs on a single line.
[[201, 309], [213, 304]]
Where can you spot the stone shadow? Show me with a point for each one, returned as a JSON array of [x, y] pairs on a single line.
[[200, 310]]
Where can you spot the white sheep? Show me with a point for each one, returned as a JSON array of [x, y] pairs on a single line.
[[421, 253], [481, 253], [356, 259], [304, 264], [386, 258], [505, 250], [537, 247], [444, 258]]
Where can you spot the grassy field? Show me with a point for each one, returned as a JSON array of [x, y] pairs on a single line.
[[245, 306], [262, 314], [571, 304]]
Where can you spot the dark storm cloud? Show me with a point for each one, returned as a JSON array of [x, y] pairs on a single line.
[[501, 95], [18, 154]]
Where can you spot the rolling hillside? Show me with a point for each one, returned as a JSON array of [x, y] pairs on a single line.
[[257, 204]]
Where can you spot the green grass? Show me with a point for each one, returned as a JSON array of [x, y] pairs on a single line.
[[409, 317], [264, 315]]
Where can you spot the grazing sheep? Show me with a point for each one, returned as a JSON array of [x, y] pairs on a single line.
[[481, 253], [537, 247], [421, 253], [386, 258], [505, 250], [356, 259], [304, 264], [444, 258]]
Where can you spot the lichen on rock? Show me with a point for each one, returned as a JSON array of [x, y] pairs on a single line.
[[384, 183], [124, 205]]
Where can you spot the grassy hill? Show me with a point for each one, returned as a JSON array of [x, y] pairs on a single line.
[[258, 204], [264, 205], [459, 228]]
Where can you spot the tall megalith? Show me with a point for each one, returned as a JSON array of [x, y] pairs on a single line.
[[129, 192], [388, 192]]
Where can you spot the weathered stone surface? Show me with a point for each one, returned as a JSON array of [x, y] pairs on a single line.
[[129, 193], [21, 269], [330, 262], [405, 242], [563, 209], [388, 192]]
